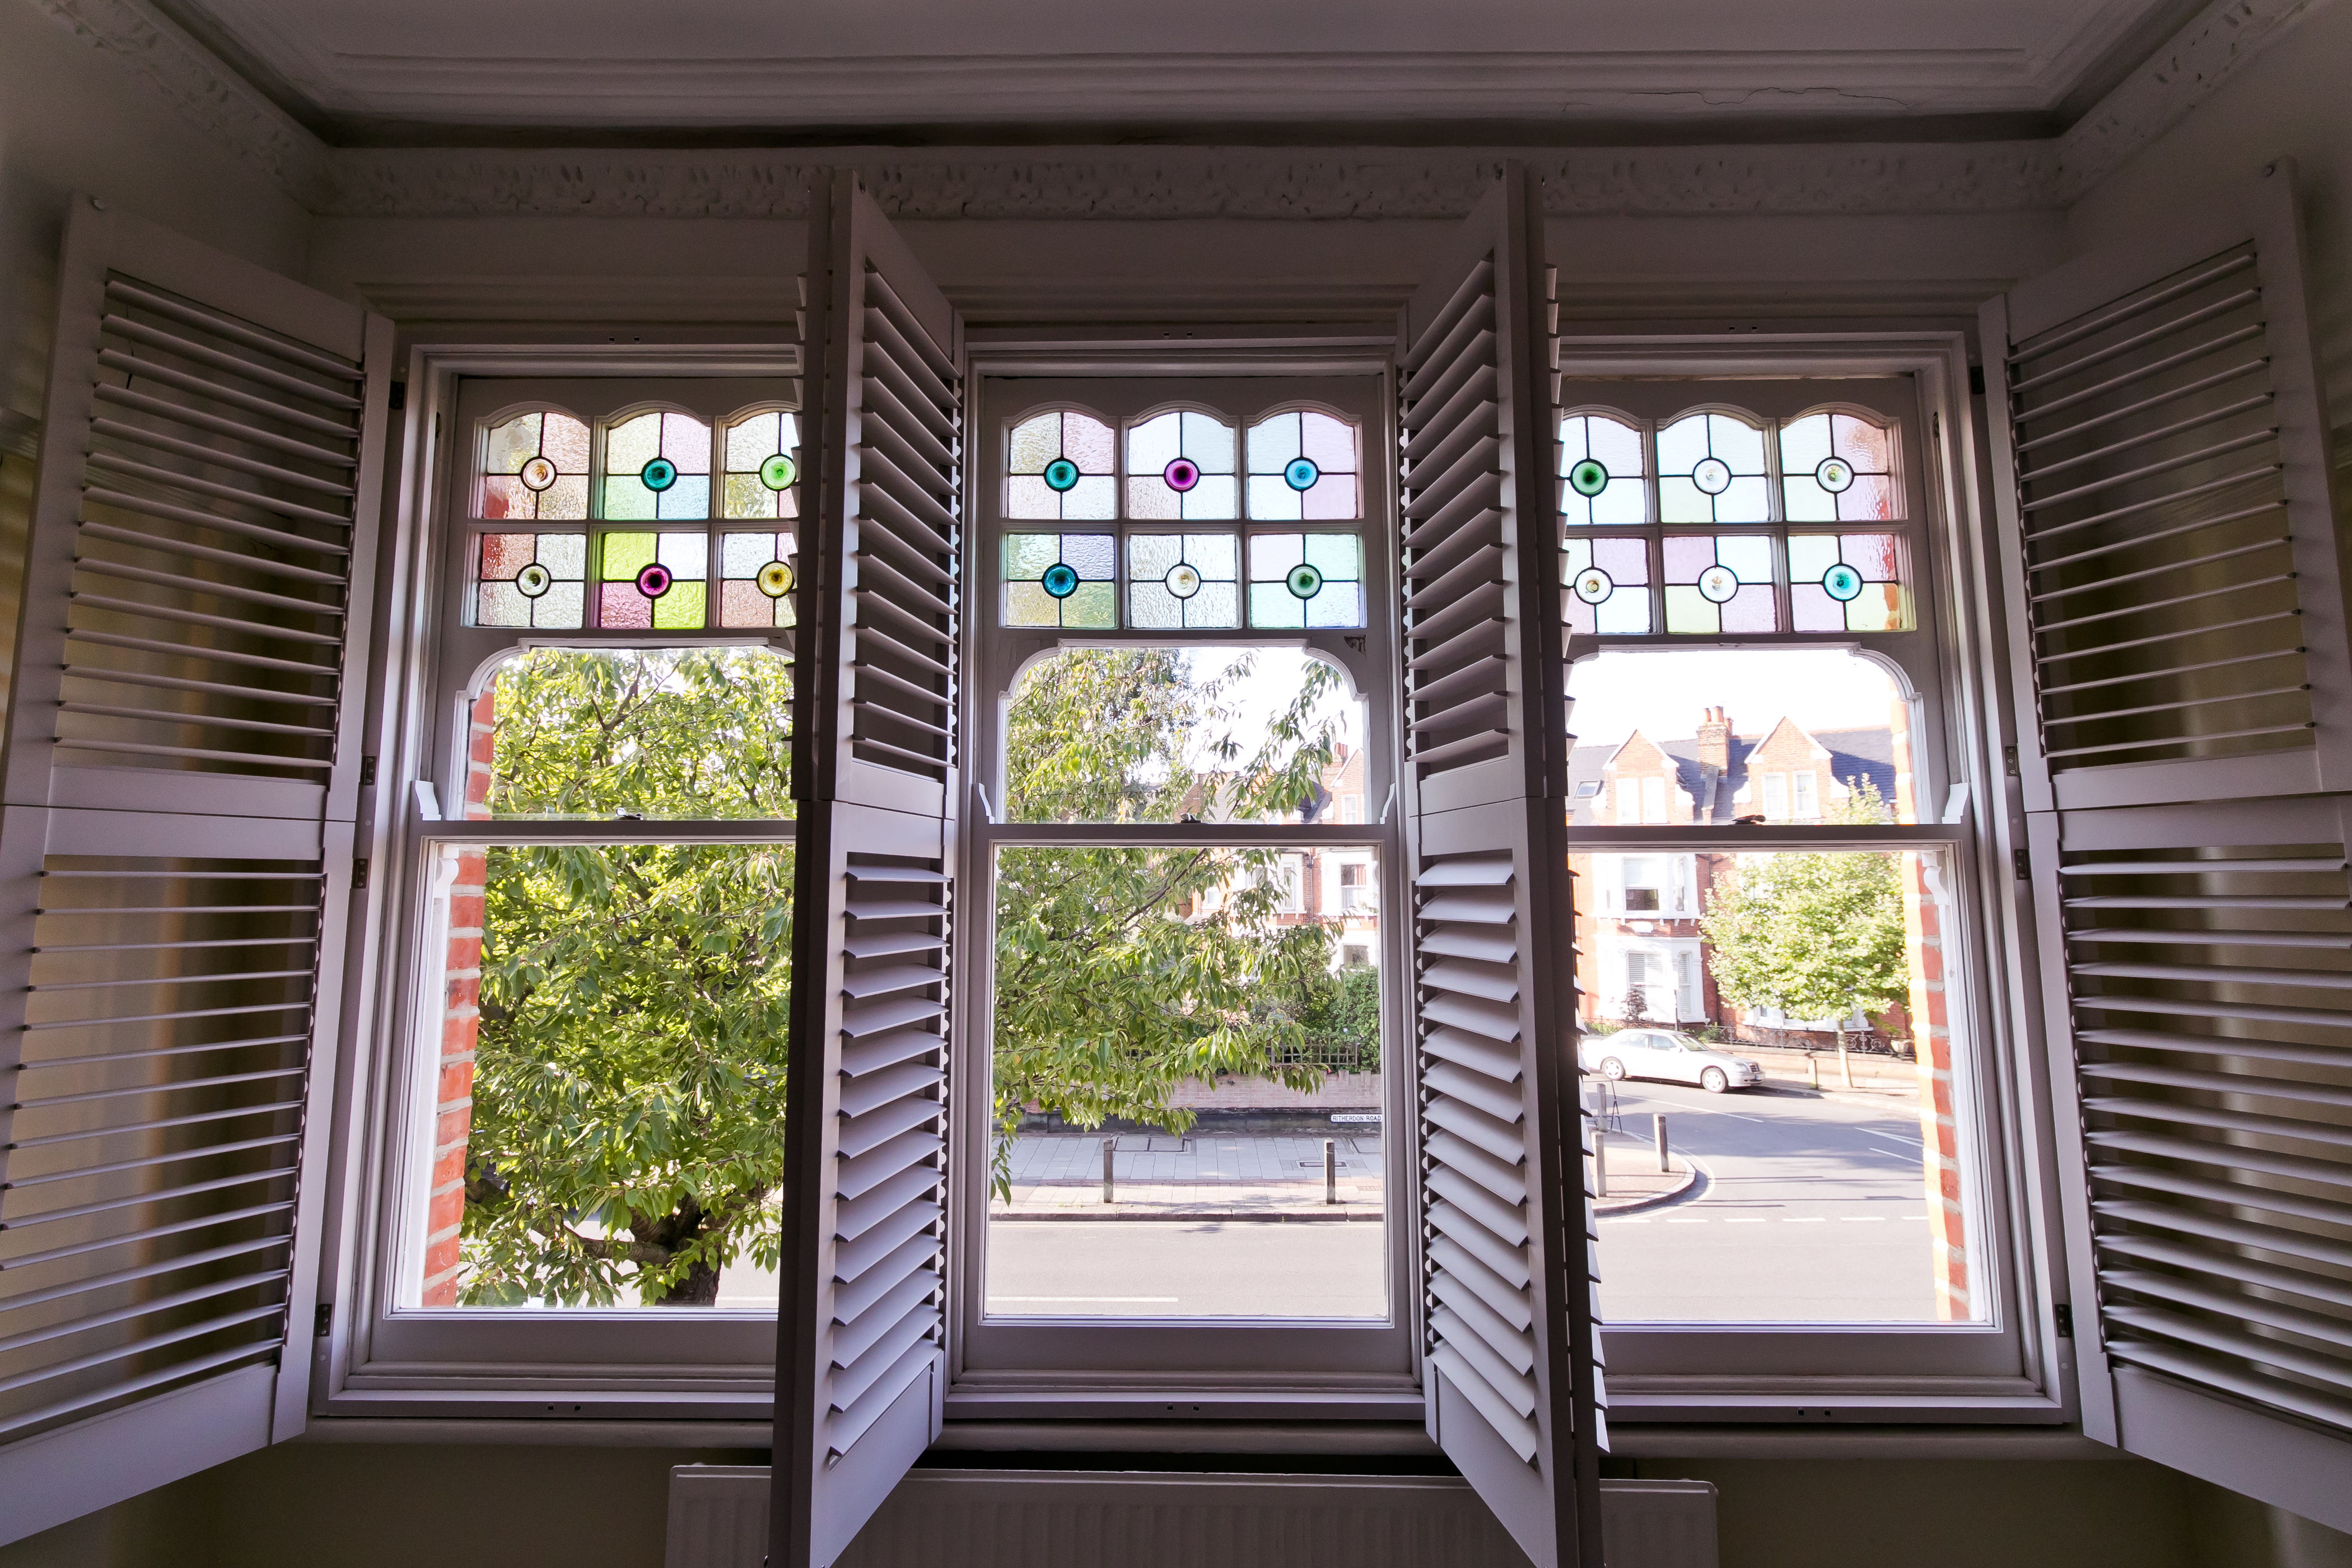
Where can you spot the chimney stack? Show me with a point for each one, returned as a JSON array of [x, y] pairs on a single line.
[[1715, 740]]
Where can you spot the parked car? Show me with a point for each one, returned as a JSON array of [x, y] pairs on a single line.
[[1666, 1053]]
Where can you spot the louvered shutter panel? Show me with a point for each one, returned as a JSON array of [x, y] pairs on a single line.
[[860, 1377], [2176, 626], [1510, 1372], [176, 855]]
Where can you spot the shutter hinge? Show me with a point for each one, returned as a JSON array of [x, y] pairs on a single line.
[[359, 874], [2009, 761], [2024, 867], [2065, 1314], [1975, 380], [367, 772], [398, 397], [323, 1319]]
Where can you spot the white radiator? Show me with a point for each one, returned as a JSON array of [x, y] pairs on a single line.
[[1061, 1519]]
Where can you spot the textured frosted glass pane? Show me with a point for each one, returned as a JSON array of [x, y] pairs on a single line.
[[1209, 442], [1329, 443], [564, 554], [1153, 608], [504, 555], [564, 442], [686, 555], [1691, 612], [1214, 553], [680, 609], [562, 607], [746, 496], [1270, 499], [1154, 444], [1092, 499], [1272, 606], [1802, 499], [626, 499], [686, 441], [748, 442], [742, 555], [1688, 555], [1093, 607], [1148, 500], [1870, 499], [1752, 609], [1338, 605], [1149, 555], [1626, 560], [1029, 498], [1868, 447], [632, 444], [1026, 555], [500, 604], [1087, 443], [1028, 604], [1034, 444], [1871, 554], [1334, 498], [1626, 613], [1213, 499], [1809, 556], [1743, 502], [1679, 500], [510, 446], [1092, 554], [1272, 554], [1750, 556], [1810, 605], [1877, 609], [1217, 606], [685, 501], [619, 604], [1681, 444], [1804, 443], [1334, 555], [626, 555], [505, 498], [1737, 444], [1272, 443]]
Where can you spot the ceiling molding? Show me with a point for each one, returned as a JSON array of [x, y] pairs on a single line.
[[1182, 182], [193, 79]]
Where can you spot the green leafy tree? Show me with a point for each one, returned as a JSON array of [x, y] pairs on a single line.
[[1815, 934], [627, 1128], [1122, 972]]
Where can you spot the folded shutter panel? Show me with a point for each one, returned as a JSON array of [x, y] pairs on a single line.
[[2176, 624], [1510, 1371], [176, 854], [861, 1373]]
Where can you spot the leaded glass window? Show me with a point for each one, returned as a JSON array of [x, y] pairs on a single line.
[[1179, 466], [635, 492], [1060, 467], [1302, 467]]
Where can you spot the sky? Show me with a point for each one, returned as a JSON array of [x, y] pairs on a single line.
[[1664, 692]]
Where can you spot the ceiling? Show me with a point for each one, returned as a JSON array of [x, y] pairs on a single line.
[[392, 72]]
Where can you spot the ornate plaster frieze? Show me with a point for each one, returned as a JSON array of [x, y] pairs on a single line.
[[219, 102]]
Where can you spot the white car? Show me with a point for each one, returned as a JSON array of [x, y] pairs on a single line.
[[1669, 1055]]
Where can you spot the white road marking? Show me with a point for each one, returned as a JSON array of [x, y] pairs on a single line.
[[1806, 1220], [993, 1300], [1612, 1219], [1863, 1218], [1746, 1222], [1700, 1220]]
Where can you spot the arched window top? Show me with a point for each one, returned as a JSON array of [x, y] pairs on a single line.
[[1602, 466], [657, 468], [535, 468], [762, 474], [1837, 466], [1303, 467], [1061, 465], [1711, 468], [1179, 466]]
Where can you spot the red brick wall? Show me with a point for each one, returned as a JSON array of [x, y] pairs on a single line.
[[1931, 1038], [460, 1026]]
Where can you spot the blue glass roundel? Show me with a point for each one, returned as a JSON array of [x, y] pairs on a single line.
[[1301, 473], [1841, 583], [1061, 474], [1060, 580], [659, 473]]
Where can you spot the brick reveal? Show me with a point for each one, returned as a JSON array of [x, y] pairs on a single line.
[[461, 1023], [1931, 1037]]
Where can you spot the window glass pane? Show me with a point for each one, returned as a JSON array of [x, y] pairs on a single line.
[[1829, 1204], [535, 466], [657, 469], [1058, 465], [763, 466], [1210, 1023], [1303, 467], [1157, 734], [1602, 471], [1851, 582], [1061, 580], [1180, 464], [1836, 468], [757, 572], [1183, 582], [1720, 583], [1608, 585], [653, 581], [1711, 469], [529, 579], [1713, 726], [1306, 580]]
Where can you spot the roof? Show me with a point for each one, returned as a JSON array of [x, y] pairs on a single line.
[[1853, 754]]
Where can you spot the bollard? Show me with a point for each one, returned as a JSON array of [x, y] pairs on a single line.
[[1599, 1164], [1658, 1122], [1812, 1069], [1108, 1144], [1330, 1171]]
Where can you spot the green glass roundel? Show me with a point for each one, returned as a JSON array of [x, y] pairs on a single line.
[[1061, 474], [779, 472], [1589, 478], [1060, 580], [1304, 580], [659, 473], [1841, 583]]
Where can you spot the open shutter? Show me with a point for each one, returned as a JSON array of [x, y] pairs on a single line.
[[1510, 1372], [2184, 702], [861, 1370], [177, 855]]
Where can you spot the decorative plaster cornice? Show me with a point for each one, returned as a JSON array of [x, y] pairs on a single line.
[[219, 101], [1184, 183]]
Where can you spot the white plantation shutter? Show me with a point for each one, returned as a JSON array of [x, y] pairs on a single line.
[[861, 1360], [1510, 1371], [2184, 696], [176, 860]]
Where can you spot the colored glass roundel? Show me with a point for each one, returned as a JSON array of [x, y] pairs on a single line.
[[657, 470], [1604, 460], [1302, 469], [1589, 478], [1841, 583], [1838, 468], [1061, 476], [1711, 470], [530, 580], [1847, 583], [763, 466], [1835, 475], [1592, 586], [1305, 581], [1180, 474], [775, 579], [1058, 466], [756, 579], [1183, 582], [533, 581], [1180, 468], [654, 582], [779, 472], [537, 474], [535, 468], [1059, 580], [1717, 585]]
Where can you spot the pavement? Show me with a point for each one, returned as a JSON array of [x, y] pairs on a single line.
[[1207, 1174]]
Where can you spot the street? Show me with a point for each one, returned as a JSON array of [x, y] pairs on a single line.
[[1154, 1268], [1812, 1210]]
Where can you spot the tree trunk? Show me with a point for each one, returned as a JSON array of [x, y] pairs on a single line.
[[672, 1233]]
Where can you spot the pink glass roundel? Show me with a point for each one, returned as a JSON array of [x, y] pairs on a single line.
[[654, 580], [1181, 474]]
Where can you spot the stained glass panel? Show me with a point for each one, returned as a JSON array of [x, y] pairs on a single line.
[[1180, 464], [1711, 469], [1608, 585], [535, 468], [1847, 583], [657, 470], [1302, 468], [1602, 472], [756, 575], [653, 582], [1720, 583], [1061, 580], [1058, 465], [1300, 580], [1183, 582], [1835, 468], [530, 580], [762, 474]]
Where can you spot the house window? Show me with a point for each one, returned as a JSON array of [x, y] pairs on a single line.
[[1818, 905], [1184, 881], [1653, 800]]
